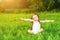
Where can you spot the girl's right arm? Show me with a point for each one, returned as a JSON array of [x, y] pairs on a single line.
[[26, 19]]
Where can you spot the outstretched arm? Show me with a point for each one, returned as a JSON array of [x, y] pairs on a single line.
[[26, 19], [46, 20]]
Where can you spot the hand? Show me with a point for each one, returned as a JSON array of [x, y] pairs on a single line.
[[51, 20], [21, 18]]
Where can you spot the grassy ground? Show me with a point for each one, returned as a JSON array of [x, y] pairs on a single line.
[[11, 28]]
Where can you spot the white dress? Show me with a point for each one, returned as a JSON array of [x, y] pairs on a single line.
[[36, 27]]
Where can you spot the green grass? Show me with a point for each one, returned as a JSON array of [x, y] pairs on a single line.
[[12, 28]]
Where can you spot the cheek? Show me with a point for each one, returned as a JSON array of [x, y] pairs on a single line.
[[35, 18]]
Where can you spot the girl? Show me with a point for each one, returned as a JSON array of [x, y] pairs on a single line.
[[36, 24]]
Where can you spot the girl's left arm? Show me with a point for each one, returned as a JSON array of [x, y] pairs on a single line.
[[46, 20]]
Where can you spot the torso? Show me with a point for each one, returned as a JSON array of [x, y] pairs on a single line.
[[36, 26]]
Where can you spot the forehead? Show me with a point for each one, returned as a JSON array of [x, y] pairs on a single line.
[[34, 16]]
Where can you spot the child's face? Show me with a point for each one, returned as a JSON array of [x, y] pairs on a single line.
[[35, 17]]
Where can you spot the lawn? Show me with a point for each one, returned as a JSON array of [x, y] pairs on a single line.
[[12, 28]]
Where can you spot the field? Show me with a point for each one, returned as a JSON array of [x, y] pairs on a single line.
[[12, 28]]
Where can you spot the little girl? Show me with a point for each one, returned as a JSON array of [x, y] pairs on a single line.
[[36, 24]]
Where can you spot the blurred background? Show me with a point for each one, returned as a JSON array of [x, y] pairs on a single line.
[[12, 28], [28, 6]]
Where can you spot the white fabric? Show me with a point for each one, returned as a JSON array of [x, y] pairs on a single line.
[[36, 27]]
